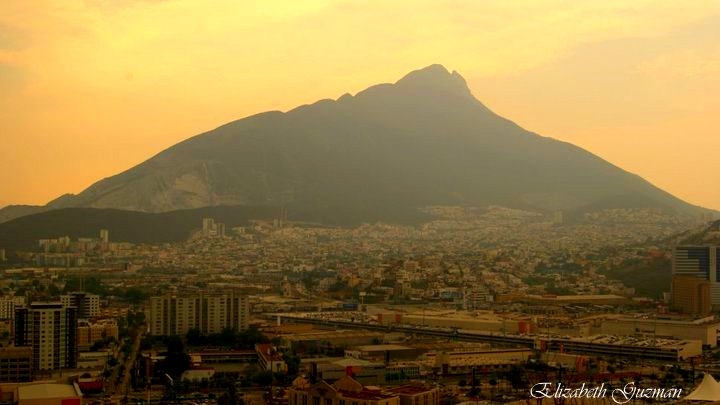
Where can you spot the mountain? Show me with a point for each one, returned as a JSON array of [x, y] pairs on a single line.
[[127, 226], [17, 211], [378, 155], [707, 235]]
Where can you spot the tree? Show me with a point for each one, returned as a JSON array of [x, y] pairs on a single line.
[[264, 378], [176, 360], [293, 363], [493, 382], [515, 376], [135, 295], [228, 337], [249, 337], [53, 290], [194, 337], [89, 284]]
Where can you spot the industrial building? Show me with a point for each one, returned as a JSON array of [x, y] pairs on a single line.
[[703, 329]]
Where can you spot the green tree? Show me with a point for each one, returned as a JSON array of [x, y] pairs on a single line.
[[264, 378], [176, 360], [293, 363], [135, 295], [194, 337]]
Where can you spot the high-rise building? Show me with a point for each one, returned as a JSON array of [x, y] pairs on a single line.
[[691, 295], [104, 236], [15, 364], [50, 330], [701, 262], [208, 226], [209, 312], [88, 305], [8, 304]]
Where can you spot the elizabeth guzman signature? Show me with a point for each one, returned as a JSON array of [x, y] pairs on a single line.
[[622, 395]]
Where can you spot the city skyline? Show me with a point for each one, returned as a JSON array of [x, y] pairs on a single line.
[[90, 89]]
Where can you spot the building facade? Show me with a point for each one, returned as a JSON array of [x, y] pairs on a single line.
[[691, 295], [8, 304], [88, 305], [209, 312], [89, 333], [50, 330], [15, 364], [701, 262]]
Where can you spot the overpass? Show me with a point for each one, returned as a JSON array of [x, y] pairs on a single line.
[[511, 340], [662, 353]]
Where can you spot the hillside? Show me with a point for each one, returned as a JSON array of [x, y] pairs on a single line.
[[378, 155], [126, 226]]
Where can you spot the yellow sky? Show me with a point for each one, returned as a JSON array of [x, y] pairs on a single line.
[[89, 88]]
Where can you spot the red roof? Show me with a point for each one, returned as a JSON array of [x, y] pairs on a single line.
[[268, 352], [366, 394]]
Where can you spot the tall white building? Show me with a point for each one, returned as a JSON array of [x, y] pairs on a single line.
[[104, 236], [208, 226], [209, 312], [50, 329]]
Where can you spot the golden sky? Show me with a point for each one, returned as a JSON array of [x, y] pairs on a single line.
[[89, 88]]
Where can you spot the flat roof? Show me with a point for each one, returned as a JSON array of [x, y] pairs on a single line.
[[410, 389], [349, 361], [377, 348], [576, 297], [47, 391]]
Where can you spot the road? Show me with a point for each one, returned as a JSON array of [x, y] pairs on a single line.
[[118, 392]]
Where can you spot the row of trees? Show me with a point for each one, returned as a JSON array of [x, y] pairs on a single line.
[[228, 338]]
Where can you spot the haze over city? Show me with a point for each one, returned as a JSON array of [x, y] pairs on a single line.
[[359, 202], [91, 88]]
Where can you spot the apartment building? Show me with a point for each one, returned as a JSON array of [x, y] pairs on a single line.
[[50, 329], [88, 305], [208, 311]]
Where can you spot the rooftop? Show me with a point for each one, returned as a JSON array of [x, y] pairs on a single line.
[[367, 394], [379, 348], [410, 389], [47, 391]]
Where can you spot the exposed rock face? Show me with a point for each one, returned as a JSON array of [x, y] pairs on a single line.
[[388, 150]]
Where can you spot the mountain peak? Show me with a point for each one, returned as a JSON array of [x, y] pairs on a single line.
[[382, 154], [436, 78]]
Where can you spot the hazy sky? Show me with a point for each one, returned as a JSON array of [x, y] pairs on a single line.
[[89, 88]]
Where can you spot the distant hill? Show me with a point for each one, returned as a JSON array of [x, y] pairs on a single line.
[[126, 226], [652, 275], [378, 155], [708, 235], [17, 211]]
